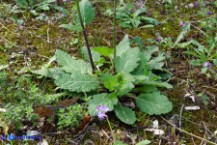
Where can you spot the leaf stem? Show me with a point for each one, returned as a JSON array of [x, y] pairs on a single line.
[[85, 37]]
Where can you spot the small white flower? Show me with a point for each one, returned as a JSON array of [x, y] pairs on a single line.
[[2, 110], [191, 5]]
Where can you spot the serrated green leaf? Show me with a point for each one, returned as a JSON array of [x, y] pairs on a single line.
[[55, 72], [123, 46], [142, 65], [154, 103], [128, 61], [108, 100], [77, 82], [156, 63], [70, 64], [87, 11], [125, 114]]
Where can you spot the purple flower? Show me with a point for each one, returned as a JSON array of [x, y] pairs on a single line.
[[209, 13], [101, 109], [140, 4], [196, 4], [182, 24], [102, 115], [159, 39], [207, 64]]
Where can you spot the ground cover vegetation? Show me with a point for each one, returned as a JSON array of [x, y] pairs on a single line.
[[108, 72]]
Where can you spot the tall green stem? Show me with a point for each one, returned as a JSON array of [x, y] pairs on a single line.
[[114, 30], [85, 36]]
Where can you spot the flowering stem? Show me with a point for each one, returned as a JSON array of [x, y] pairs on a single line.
[[114, 32], [85, 36], [110, 127]]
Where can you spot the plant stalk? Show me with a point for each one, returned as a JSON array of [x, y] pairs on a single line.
[[110, 127], [114, 31], [85, 37]]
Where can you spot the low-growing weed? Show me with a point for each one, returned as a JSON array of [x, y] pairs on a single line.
[[71, 116], [204, 56], [129, 74], [133, 17]]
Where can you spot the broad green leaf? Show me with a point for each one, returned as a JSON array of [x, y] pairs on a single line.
[[128, 61], [110, 82], [156, 63], [105, 51], [123, 46], [149, 51], [126, 84], [120, 83], [87, 11], [125, 114], [95, 55], [125, 88], [144, 142], [54, 73], [70, 64], [142, 65], [104, 99], [77, 82], [154, 103]]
